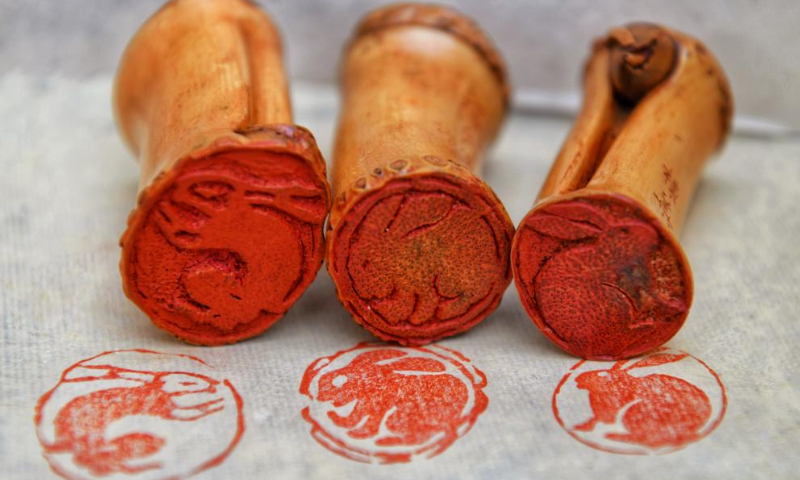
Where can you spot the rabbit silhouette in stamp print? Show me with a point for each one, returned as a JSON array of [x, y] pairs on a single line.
[[653, 404], [115, 414], [377, 403]]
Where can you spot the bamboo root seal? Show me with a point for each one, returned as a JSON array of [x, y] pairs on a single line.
[[418, 245], [642, 56], [597, 261], [228, 229]]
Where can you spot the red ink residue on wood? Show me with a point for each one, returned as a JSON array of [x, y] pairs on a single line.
[[600, 278], [664, 207], [381, 404], [657, 404], [667, 197], [99, 420]]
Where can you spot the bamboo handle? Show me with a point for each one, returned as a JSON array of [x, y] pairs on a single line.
[[597, 262], [418, 245], [227, 232]]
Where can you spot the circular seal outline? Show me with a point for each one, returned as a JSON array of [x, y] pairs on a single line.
[[213, 462]]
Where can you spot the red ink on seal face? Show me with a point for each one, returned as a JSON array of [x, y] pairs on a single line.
[[226, 243], [376, 403], [600, 277], [422, 258], [139, 413], [654, 404]]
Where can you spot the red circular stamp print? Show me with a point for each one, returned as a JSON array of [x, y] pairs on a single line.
[[138, 413], [654, 404], [377, 403]]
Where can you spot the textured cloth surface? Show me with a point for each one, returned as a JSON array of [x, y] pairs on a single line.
[[67, 185]]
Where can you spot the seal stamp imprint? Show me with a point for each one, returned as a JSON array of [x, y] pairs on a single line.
[[138, 414], [377, 403], [654, 404]]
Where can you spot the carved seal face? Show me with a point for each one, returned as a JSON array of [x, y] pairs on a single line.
[[381, 404], [421, 257], [129, 412], [601, 278], [228, 246], [654, 404]]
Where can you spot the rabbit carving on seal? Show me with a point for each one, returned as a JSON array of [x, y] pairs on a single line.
[[607, 268]]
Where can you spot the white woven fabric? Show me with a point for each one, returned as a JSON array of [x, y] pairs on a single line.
[[67, 184]]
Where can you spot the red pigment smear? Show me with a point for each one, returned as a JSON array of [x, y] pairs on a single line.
[[422, 258], [655, 411], [405, 401], [224, 248], [600, 277]]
